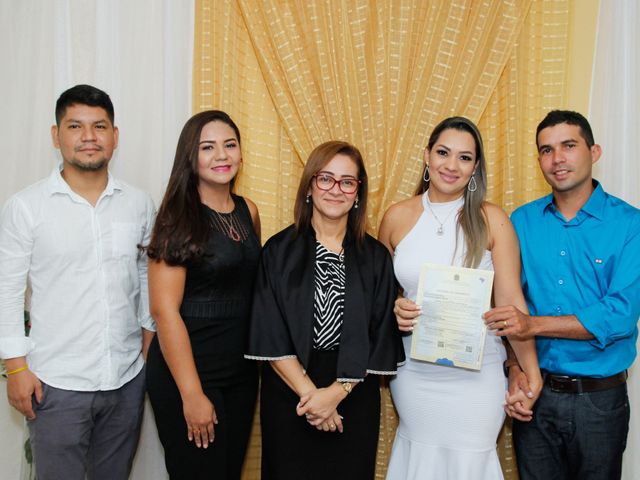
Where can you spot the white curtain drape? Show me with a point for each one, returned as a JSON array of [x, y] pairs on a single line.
[[140, 52], [615, 118]]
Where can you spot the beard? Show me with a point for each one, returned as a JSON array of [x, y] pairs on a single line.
[[91, 166]]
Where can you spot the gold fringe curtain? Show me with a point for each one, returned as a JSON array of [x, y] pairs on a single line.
[[380, 74], [533, 82]]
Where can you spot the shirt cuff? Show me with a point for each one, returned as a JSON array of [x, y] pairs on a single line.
[[148, 323], [12, 347], [591, 318]]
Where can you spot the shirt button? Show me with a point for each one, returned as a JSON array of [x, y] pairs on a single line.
[[562, 253], [558, 309], [561, 282]]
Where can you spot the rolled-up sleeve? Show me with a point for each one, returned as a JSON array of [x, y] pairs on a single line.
[[144, 316], [615, 315], [16, 243]]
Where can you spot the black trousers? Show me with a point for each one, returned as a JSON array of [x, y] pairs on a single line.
[[223, 459], [294, 450]]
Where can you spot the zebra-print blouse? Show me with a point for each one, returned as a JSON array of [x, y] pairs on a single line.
[[328, 298]]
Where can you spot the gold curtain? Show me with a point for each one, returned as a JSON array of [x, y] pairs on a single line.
[[380, 74]]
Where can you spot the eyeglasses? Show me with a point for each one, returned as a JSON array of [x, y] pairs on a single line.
[[346, 185]]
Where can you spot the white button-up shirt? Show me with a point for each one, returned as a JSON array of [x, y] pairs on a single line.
[[88, 280]]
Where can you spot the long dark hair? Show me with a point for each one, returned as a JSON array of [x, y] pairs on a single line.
[[471, 217], [319, 157], [181, 230]]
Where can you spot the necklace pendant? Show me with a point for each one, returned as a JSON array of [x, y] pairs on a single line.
[[440, 231], [233, 234]]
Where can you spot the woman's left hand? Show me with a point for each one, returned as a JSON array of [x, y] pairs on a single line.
[[333, 424], [320, 404]]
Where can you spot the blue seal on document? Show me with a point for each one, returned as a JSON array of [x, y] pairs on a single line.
[[445, 361]]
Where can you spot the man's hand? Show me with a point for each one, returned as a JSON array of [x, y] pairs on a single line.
[[509, 321], [406, 313], [21, 387]]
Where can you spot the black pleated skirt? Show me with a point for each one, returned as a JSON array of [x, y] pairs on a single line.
[[293, 449]]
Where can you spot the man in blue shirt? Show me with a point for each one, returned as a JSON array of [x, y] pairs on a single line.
[[580, 252]]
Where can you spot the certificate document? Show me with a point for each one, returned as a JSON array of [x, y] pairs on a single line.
[[450, 330]]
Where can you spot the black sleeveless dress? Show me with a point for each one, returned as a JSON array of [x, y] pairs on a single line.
[[215, 309]]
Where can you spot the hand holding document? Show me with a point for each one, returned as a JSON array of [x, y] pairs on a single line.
[[450, 330]]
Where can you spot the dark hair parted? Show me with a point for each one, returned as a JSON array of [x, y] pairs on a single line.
[[319, 157], [471, 217], [83, 95], [556, 117], [182, 226]]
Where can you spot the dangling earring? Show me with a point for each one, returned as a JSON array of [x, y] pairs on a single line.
[[308, 199], [425, 176], [355, 204], [472, 186]]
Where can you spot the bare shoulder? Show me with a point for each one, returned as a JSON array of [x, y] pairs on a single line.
[[496, 217], [398, 220], [498, 223], [402, 210]]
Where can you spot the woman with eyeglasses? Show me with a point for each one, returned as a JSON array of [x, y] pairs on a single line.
[[322, 318], [450, 417], [203, 254]]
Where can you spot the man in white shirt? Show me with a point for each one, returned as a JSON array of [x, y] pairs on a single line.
[[78, 377]]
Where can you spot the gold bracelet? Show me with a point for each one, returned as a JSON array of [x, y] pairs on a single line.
[[18, 370]]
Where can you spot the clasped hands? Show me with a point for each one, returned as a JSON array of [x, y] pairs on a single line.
[[320, 407]]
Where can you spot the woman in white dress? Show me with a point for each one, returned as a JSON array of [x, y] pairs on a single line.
[[450, 417]]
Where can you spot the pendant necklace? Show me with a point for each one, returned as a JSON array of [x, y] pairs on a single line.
[[229, 225], [231, 231], [440, 229]]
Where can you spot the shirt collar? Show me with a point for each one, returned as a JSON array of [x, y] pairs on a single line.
[[597, 201], [594, 207], [57, 184]]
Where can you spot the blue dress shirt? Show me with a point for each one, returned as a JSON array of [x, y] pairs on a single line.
[[588, 267]]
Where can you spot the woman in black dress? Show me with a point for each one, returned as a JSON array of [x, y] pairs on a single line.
[[323, 318], [203, 257]]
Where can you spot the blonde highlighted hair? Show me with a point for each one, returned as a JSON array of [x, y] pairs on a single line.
[[471, 218]]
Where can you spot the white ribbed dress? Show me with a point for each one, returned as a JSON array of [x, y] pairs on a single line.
[[449, 417]]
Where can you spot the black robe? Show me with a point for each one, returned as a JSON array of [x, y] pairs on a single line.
[[282, 315]]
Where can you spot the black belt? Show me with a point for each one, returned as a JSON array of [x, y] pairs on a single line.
[[564, 384]]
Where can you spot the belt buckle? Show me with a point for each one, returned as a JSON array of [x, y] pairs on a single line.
[[564, 384]]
